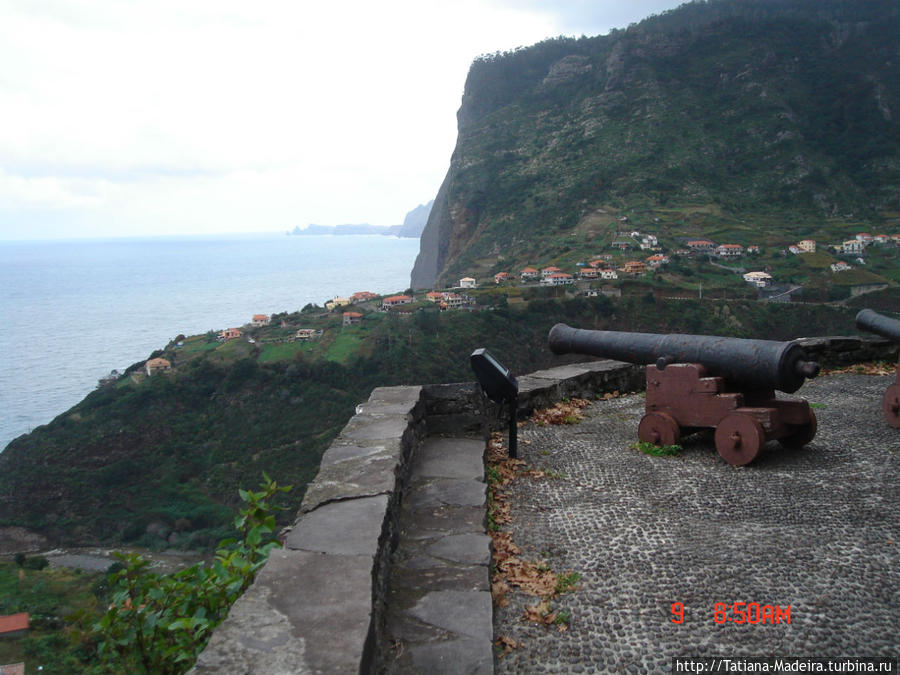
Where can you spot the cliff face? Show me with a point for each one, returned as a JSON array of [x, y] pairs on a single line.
[[786, 107]]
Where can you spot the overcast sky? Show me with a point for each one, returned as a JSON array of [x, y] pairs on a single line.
[[204, 116]]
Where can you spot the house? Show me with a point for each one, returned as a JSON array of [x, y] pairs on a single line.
[[609, 274], [753, 248], [306, 333], [807, 246], [351, 319], [260, 320], [597, 263], [853, 246], [896, 239], [434, 296], [635, 267], [362, 296], [12, 669], [154, 366], [453, 301], [865, 238], [648, 241], [794, 249], [700, 245], [467, 282], [394, 300], [622, 244], [14, 625], [729, 250], [502, 277], [529, 274], [880, 239], [590, 273], [759, 279], [547, 271], [558, 279], [657, 260], [337, 302], [229, 334], [840, 267]]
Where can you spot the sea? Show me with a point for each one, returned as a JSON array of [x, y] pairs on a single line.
[[74, 310]]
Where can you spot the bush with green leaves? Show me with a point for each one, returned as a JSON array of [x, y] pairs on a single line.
[[160, 623]]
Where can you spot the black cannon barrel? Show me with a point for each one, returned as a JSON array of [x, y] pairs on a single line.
[[879, 324], [748, 364]]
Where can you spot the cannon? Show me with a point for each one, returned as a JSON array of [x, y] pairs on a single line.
[[890, 329], [706, 381]]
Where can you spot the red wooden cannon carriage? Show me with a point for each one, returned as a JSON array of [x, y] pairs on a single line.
[[705, 381]]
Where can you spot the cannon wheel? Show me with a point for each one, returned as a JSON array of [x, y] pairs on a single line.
[[739, 438], [659, 428], [891, 405], [802, 434]]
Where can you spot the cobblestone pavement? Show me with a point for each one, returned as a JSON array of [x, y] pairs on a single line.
[[815, 530]]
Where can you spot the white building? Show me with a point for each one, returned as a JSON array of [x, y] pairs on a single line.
[[759, 279], [467, 282]]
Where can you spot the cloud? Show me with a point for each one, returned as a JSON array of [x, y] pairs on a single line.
[[218, 115]]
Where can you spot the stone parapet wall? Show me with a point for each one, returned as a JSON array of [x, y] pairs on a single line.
[[317, 606]]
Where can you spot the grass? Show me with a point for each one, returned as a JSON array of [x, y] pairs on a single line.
[[344, 346], [285, 351], [657, 450]]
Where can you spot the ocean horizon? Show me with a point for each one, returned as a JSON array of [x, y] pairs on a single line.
[[75, 309]]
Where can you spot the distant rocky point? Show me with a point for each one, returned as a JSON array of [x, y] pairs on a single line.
[[412, 226]]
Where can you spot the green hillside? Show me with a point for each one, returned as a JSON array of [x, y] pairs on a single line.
[[156, 461], [776, 119]]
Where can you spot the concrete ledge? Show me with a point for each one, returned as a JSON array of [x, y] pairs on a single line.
[[317, 605]]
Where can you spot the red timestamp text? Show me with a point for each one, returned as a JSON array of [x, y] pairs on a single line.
[[741, 613]]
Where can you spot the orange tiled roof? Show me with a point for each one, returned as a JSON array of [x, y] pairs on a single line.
[[13, 622], [353, 314]]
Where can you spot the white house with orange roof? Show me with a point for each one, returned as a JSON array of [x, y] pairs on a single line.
[[547, 271], [434, 296], [394, 300], [864, 237], [351, 319], [260, 320], [158, 365], [467, 282], [657, 260], [529, 274], [502, 277], [229, 334], [362, 296], [589, 273], [729, 250], [807, 245]]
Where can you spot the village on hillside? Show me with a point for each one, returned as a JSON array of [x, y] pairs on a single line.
[[633, 262]]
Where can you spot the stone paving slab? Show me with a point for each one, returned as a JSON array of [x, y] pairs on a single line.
[[270, 632], [439, 602], [815, 529]]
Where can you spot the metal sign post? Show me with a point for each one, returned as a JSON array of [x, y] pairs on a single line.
[[499, 385]]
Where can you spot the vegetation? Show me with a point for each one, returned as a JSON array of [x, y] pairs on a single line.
[[746, 121], [657, 450], [130, 619], [156, 461], [159, 624]]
